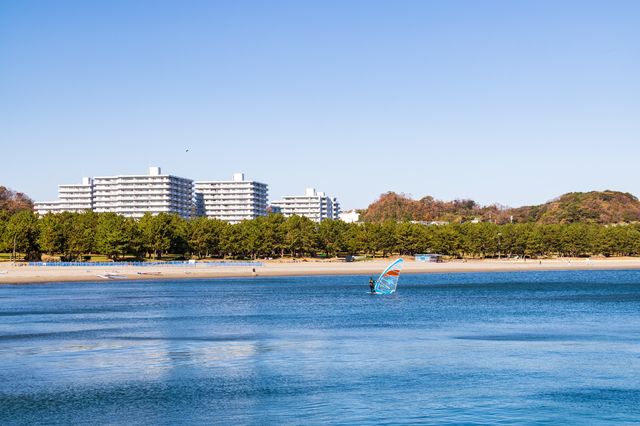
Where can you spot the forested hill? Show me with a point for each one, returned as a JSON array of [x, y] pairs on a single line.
[[14, 202], [604, 207], [595, 207], [402, 208]]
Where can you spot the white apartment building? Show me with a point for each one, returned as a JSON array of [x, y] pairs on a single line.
[[135, 195], [314, 205], [351, 216], [233, 200], [73, 198], [44, 207]]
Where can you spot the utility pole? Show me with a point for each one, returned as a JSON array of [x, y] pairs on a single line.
[[499, 245], [14, 248]]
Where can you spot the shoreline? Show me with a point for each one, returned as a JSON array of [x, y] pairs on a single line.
[[55, 274]]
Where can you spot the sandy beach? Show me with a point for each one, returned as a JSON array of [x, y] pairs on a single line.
[[51, 274]]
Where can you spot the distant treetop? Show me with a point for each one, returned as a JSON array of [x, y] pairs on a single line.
[[14, 202]]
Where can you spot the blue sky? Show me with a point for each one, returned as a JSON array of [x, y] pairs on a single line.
[[509, 102]]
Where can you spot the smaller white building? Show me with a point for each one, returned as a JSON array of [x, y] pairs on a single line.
[[232, 201], [428, 257], [73, 198], [314, 205], [349, 217], [44, 207]]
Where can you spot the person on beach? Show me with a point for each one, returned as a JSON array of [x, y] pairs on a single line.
[[371, 282]]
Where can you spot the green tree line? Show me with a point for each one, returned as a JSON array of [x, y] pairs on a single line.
[[74, 235]]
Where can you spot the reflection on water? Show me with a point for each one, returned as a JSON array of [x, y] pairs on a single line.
[[557, 347]]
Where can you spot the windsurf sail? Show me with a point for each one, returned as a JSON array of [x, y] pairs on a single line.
[[388, 280]]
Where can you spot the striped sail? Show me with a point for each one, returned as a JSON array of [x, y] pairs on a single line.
[[388, 280]]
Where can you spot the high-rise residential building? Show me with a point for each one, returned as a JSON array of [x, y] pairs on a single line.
[[135, 195], [314, 205], [73, 198], [232, 201]]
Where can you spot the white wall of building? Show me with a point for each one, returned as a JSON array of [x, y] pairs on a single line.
[[135, 195], [350, 216], [314, 205], [232, 201], [73, 198], [44, 207]]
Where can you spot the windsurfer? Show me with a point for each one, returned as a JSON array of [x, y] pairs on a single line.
[[371, 283]]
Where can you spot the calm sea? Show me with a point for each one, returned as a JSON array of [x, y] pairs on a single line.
[[489, 348]]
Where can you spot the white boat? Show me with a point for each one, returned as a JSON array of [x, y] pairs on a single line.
[[110, 275]]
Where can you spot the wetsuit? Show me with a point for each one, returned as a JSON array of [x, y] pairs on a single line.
[[371, 284]]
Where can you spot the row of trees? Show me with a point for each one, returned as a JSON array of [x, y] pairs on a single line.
[[73, 235]]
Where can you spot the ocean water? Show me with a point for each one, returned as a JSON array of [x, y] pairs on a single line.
[[486, 348]]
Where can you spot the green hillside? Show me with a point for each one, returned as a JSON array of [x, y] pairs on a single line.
[[593, 207], [602, 207]]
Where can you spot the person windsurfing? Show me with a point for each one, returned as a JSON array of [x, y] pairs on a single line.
[[388, 281], [371, 284]]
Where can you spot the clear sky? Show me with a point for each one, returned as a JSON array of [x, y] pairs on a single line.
[[514, 102]]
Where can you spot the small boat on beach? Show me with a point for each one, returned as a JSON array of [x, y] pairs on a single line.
[[111, 275]]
